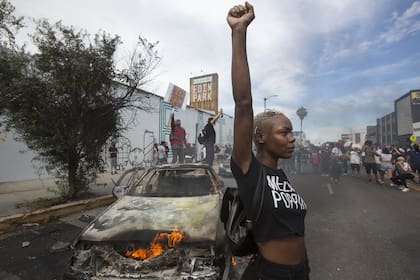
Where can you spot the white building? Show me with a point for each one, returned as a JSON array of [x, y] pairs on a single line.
[[135, 145]]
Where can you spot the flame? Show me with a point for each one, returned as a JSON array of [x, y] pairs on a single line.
[[156, 246], [233, 261]]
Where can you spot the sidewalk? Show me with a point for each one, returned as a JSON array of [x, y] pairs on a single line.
[[14, 194]]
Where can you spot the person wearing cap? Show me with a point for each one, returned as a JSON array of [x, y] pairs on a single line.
[[178, 141]]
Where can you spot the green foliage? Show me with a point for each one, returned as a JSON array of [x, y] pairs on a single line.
[[68, 99], [9, 24]]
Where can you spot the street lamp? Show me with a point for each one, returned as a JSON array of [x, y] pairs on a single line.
[[265, 101]]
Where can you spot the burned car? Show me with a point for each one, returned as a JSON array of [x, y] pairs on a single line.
[[164, 225]]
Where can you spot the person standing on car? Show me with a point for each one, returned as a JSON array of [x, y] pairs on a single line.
[[178, 141], [279, 232], [210, 136]]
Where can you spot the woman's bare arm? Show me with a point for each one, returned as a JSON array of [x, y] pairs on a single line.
[[239, 17]]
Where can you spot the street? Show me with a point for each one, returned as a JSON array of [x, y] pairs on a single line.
[[354, 230]]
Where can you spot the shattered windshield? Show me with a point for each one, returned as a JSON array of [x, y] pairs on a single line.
[[175, 183]]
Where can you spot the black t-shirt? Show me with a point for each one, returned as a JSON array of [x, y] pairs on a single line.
[[210, 134], [284, 211]]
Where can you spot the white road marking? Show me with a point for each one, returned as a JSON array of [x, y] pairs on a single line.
[[330, 188]]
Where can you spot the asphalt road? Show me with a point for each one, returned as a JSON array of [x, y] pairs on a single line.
[[360, 230], [354, 230]]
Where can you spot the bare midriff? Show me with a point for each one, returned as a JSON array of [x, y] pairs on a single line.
[[288, 250]]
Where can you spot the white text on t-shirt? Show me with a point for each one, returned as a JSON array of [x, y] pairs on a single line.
[[282, 191]]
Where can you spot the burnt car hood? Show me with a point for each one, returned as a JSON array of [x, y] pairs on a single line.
[[139, 218]]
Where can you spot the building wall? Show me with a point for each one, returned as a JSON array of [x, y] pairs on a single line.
[[371, 133], [387, 130], [16, 160], [403, 115], [357, 138], [407, 110]]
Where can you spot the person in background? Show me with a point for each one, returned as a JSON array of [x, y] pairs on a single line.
[[178, 140], [280, 230], [155, 154], [324, 157], [165, 144], [355, 163], [378, 153], [315, 161], [386, 165], [414, 160], [335, 163], [369, 160], [210, 136], [162, 153], [194, 152], [345, 160], [113, 153], [402, 173]]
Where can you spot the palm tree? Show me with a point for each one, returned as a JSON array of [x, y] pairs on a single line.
[[302, 113]]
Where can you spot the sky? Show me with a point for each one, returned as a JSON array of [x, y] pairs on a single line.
[[344, 61]]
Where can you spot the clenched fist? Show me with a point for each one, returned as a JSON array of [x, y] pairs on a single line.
[[240, 16]]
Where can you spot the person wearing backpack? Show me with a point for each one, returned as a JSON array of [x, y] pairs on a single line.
[[210, 138], [279, 230], [178, 141]]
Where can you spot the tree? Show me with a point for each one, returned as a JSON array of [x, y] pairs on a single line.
[[302, 113], [9, 24], [69, 98], [11, 57]]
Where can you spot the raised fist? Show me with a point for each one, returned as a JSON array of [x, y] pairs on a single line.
[[240, 15]]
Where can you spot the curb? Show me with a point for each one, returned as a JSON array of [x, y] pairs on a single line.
[[14, 222]]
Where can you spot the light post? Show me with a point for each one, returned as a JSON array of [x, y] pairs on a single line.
[[265, 101]]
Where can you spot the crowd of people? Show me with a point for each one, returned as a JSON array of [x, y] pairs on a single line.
[[388, 165]]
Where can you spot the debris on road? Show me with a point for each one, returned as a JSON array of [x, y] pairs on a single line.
[[86, 218], [59, 246], [30, 225], [174, 263]]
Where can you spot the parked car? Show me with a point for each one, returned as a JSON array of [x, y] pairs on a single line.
[[165, 224], [224, 168]]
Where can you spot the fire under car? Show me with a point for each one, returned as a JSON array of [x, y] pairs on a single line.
[[164, 225]]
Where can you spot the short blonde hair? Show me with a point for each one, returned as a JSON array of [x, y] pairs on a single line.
[[261, 123]]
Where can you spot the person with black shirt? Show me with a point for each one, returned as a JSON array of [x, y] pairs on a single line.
[[210, 136], [279, 232]]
